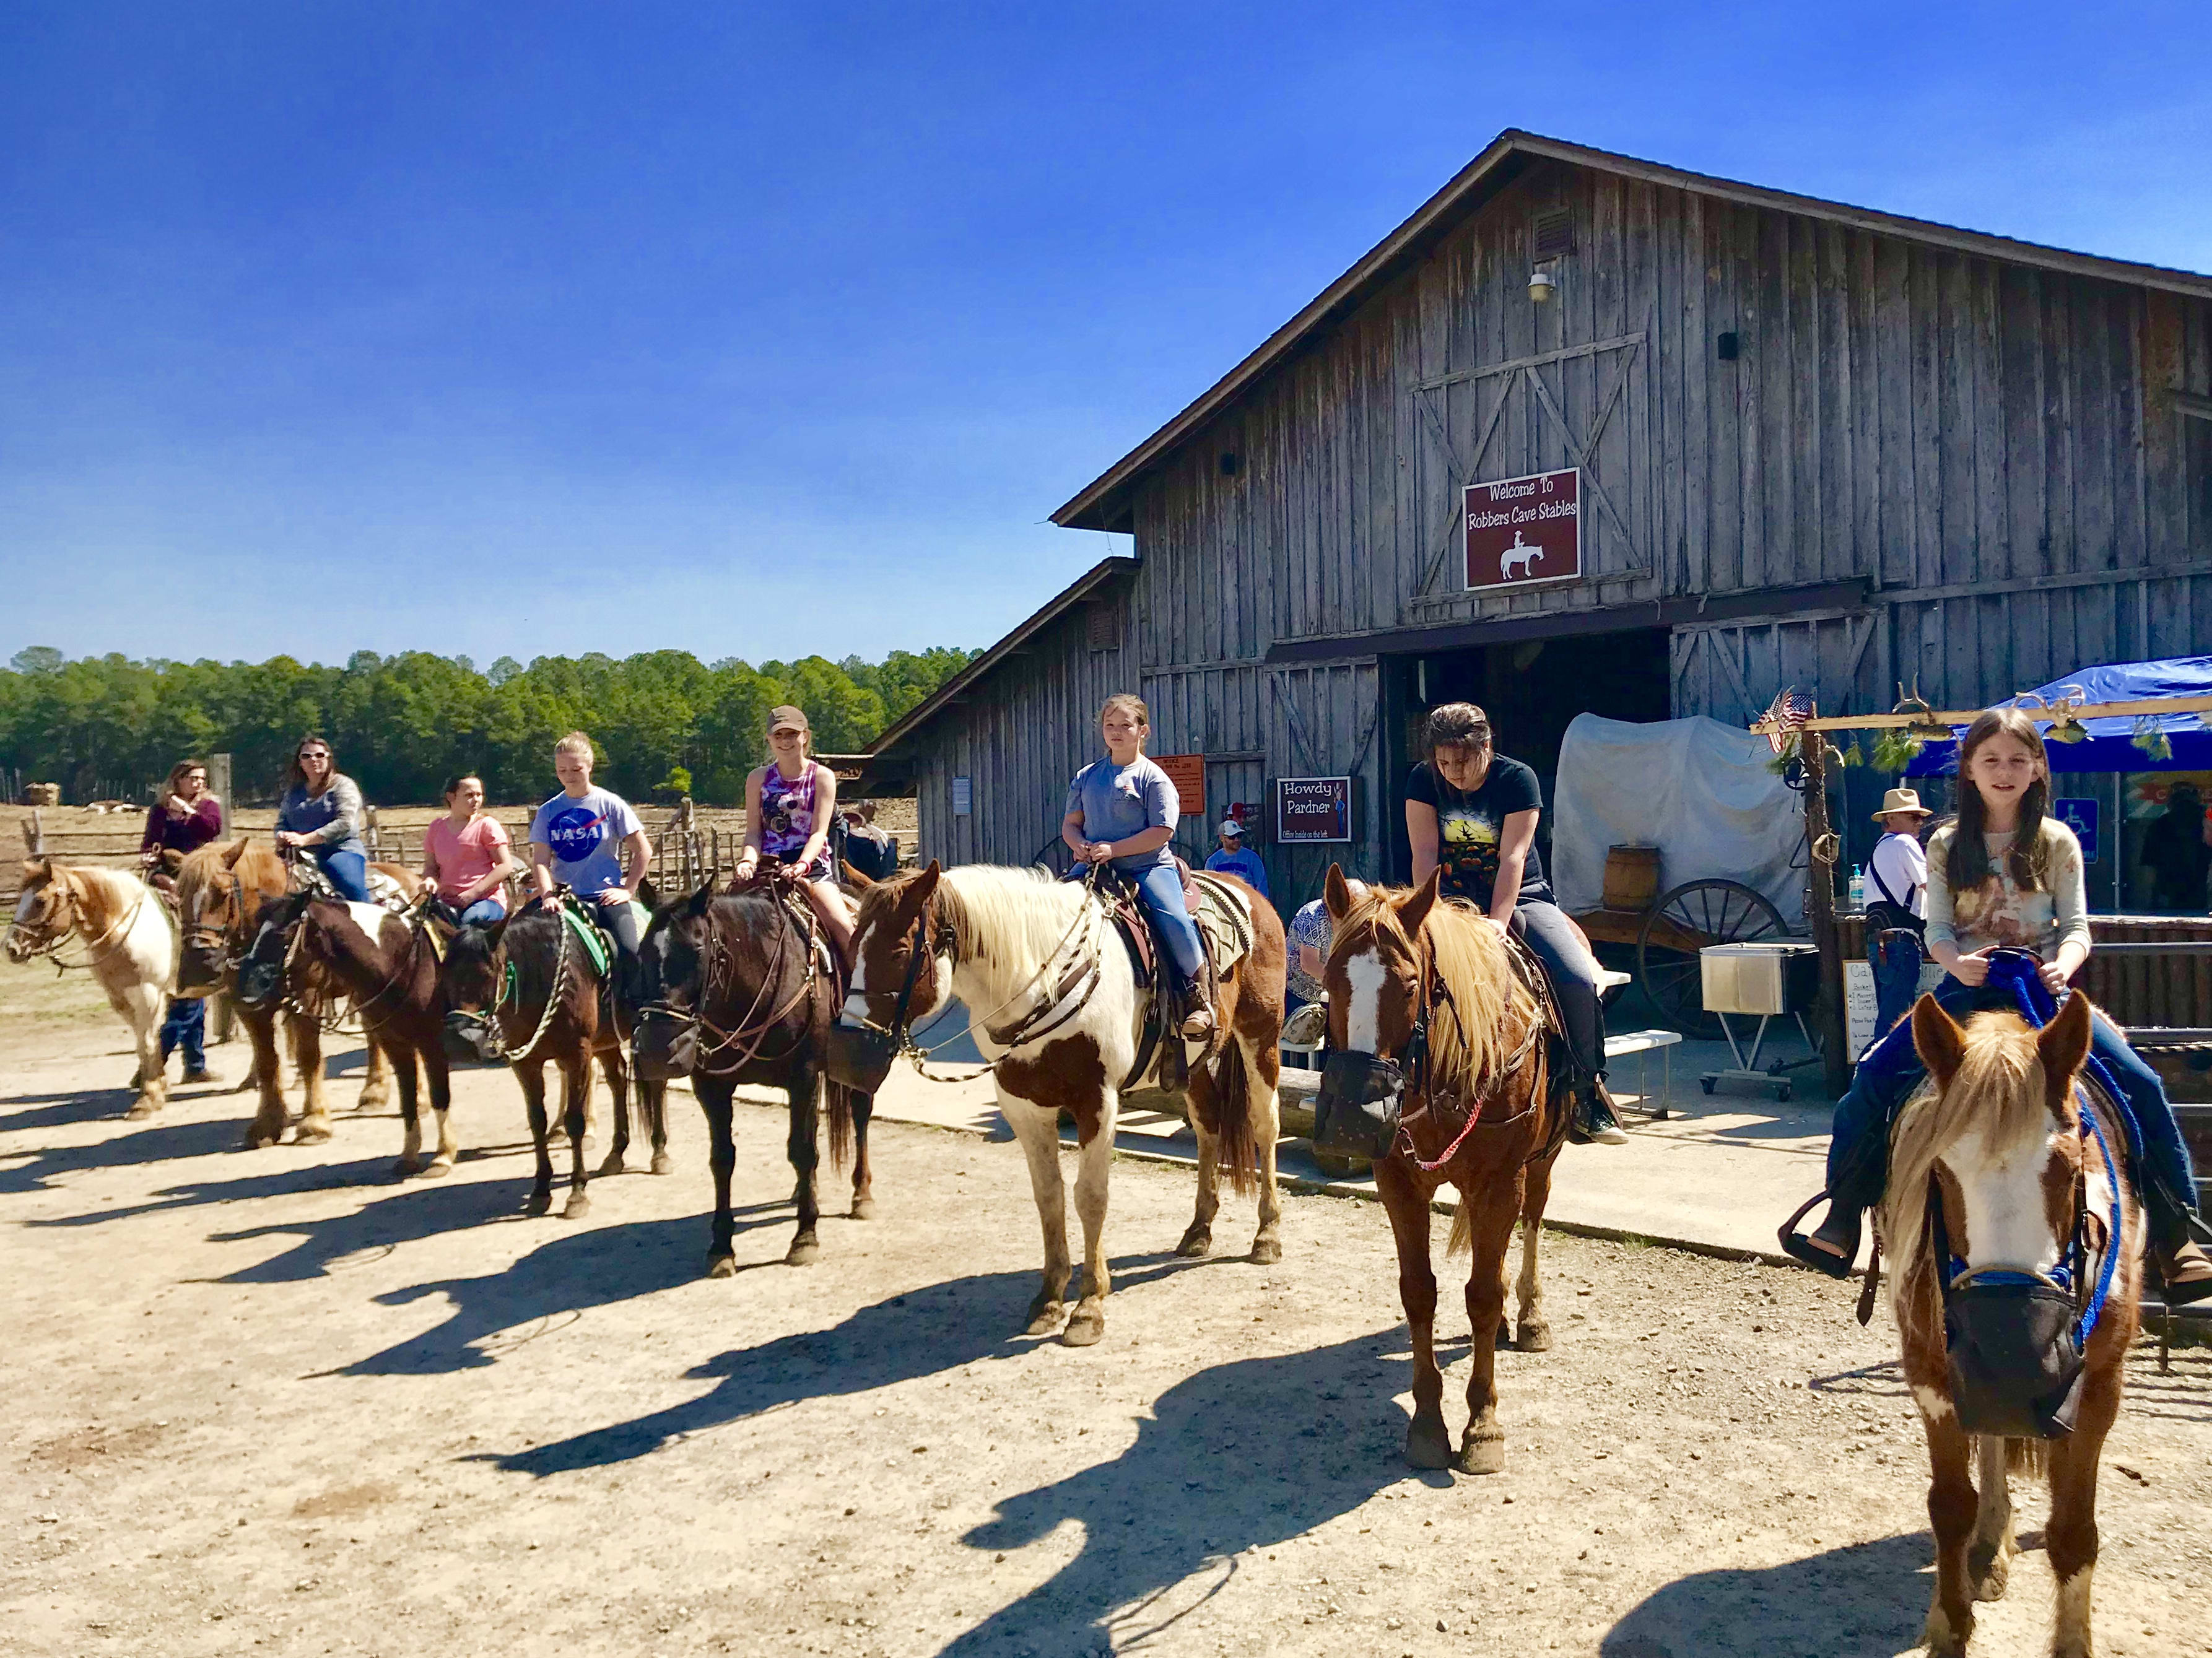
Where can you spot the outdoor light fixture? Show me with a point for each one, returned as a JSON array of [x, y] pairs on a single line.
[[1541, 283]]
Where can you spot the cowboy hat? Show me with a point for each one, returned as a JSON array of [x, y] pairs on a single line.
[[1901, 800]]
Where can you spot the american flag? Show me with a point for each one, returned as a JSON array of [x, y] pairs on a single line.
[[1787, 713]]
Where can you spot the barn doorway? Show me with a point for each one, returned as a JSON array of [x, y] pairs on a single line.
[[1531, 689]]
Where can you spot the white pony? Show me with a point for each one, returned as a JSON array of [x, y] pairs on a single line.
[[128, 940], [1055, 1007]]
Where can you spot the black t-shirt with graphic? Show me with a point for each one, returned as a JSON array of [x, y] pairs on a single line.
[[1471, 826]]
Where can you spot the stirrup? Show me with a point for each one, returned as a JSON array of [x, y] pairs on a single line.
[[1798, 1246]]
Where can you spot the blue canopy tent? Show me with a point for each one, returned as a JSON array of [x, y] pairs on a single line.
[[2110, 745]]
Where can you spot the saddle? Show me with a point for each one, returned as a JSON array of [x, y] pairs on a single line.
[[1223, 915]]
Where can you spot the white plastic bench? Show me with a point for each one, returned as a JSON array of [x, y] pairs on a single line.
[[1640, 1043]]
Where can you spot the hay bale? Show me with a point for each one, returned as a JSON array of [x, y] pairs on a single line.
[[42, 794]]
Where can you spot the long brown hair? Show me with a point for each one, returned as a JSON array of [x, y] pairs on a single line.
[[295, 775], [1966, 865], [174, 789]]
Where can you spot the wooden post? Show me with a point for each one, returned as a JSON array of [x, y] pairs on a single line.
[[1820, 909], [37, 834], [218, 770]]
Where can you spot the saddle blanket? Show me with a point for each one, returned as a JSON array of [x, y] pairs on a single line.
[[1224, 914]]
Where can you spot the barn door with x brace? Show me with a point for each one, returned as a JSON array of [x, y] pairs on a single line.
[[1494, 388]]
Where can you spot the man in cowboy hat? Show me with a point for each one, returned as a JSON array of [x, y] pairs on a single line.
[[1897, 906]]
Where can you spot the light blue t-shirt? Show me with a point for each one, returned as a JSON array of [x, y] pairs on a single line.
[[1119, 801], [1245, 865], [585, 837]]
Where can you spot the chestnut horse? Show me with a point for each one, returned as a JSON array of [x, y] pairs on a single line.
[[330, 950], [1057, 1009], [221, 891], [2020, 1244], [1444, 1058], [531, 975], [735, 992], [128, 941]]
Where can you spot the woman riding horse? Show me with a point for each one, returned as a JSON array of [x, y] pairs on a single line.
[[320, 816], [466, 855], [790, 805], [2004, 876], [1121, 811], [580, 839]]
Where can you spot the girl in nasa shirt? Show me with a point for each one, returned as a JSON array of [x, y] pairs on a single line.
[[579, 839]]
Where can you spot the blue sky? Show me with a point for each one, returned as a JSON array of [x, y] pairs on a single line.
[[757, 330]]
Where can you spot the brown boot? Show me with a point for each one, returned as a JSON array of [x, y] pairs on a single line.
[[2186, 1274]]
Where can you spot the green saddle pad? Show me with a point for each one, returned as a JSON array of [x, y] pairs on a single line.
[[595, 941]]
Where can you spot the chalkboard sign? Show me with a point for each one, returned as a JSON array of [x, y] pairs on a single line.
[[1313, 809]]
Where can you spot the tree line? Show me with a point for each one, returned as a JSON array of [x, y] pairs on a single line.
[[663, 721]]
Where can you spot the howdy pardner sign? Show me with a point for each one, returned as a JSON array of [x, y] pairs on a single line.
[[1524, 530]]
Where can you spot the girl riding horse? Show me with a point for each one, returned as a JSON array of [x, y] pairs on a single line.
[[2004, 876], [320, 816], [790, 805]]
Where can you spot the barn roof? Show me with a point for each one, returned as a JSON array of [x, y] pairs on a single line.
[[1103, 505], [1101, 574]]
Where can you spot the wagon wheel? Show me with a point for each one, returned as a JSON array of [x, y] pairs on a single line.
[[1683, 922]]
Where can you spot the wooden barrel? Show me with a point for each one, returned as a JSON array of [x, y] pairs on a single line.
[[1632, 876]]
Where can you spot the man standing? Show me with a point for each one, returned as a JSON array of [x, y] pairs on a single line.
[[1897, 906], [1236, 858]]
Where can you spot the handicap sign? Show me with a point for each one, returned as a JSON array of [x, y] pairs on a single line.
[[2081, 816]]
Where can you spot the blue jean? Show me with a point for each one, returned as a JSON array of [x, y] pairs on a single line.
[[1545, 928], [1858, 1147], [348, 872], [1895, 957], [1159, 888], [186, 1027], [484, 912]]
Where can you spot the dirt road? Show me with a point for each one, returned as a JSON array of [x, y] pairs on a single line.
[[278, 1402]]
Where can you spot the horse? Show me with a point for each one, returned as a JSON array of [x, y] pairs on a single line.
[[1445, 1066], [327, 949], [2019, 1245], [532, 977], [734, 992], [1057, 1009], [129, 942], [221, 888]]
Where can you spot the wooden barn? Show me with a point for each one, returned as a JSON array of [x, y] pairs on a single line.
[[1758, 439]]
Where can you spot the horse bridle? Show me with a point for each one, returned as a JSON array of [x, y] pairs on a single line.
[[49, 939], [754, 1034]]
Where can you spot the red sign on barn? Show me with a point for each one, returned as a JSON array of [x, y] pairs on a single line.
[[1523, 531]]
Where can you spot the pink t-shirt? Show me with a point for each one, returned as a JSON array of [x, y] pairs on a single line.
[[466, 856]]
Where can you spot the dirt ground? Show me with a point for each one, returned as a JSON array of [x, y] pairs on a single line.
[[279, 1402]]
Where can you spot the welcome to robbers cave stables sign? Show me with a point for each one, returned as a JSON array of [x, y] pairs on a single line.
[[1525, 531]]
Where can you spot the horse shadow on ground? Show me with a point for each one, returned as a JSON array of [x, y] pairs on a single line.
[[423, 1210], [72, 1105], [1864, 1600], [570, 1274], [903, 1338], [1247, 1455], [43, 1167]]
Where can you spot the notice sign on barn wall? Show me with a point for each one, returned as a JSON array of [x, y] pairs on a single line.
[[1309, 809], [1524, 530]]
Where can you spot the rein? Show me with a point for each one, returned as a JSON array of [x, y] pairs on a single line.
[[754, 1035], [1435, 993], [517, 1055], [49, 947]]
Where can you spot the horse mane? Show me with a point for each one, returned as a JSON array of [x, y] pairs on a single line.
[[1467, 1047], [256, 865], [1998, 1090], [1007, 920]]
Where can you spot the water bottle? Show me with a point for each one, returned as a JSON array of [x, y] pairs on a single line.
[[1858, 887]]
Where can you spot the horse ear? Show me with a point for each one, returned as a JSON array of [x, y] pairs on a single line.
[[701, 896], [233, 853], [1415, 910], [853, 878], [649, 893], [1940, 1043], [2062, 1045], [35, 871], [925, 884], [1335, 894], [494, 931]]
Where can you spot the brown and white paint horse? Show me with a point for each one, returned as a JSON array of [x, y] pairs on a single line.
[[221, 891], [1427, 992], [1998, 1133], [129, 943], [387, 965], [996, 939]]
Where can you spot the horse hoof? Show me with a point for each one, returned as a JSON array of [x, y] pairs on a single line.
[[1085, 1328], [1988, 1569], [722, 1266], [1427, 1447], [663, 1163], [140, 1112], [1481, 1454], [1044, 1314], [405, 1167], [864, 1208], [1197, 1242], [1266, 1252], [613, 1165], [1535, 1338], [540, 1203], [804, 1252], [577, 1206], [438, 1168]]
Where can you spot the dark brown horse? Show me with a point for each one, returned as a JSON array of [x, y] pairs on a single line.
[[734, 992], [221, 891], [1442, 1058], [330, 950], [533, 976]]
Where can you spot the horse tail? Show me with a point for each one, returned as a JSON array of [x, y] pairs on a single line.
[[1235, 1153], [2029, 1459], [841, 1121], [1462, 1241]]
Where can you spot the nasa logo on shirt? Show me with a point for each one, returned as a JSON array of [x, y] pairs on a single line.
[[573, 833]]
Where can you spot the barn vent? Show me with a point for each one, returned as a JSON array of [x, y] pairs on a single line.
[[1553, 232], [1102, 627]]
